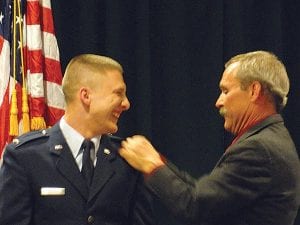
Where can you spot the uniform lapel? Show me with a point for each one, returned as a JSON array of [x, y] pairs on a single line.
[[65, 162], [104, 170]]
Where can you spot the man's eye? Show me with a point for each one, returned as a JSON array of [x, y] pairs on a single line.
[[119, 93], [225, 92]]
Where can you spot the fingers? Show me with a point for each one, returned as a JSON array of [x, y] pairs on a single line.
[[123, 152], [131, 156], [140, 154], [136, 141], [138, 145]]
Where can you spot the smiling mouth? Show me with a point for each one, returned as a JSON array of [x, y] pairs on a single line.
[[116, 115]]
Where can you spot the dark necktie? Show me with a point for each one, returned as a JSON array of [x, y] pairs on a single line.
[[87, 164]]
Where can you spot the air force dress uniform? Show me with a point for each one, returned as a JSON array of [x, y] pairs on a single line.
[[41, 184]]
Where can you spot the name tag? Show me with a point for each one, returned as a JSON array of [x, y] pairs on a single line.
[[46, 191]]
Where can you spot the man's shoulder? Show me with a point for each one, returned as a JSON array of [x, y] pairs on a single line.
[[111, 144], [112, 140], [30, 137]]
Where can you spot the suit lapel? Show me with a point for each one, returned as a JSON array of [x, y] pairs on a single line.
[[265, 123], [220, 160], [104, 170], [277, 118], [65, 162]]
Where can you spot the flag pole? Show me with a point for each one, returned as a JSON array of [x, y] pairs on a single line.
[[25, 108], [13, 120]]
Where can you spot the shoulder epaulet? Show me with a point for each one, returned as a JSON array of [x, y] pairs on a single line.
[[111, 140], [115, 138], [33, 135]]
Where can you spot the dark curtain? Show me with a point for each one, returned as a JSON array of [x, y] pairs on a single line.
[[173, 53]]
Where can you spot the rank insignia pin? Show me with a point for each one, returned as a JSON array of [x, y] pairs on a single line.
[[106, 151], [58, 147]]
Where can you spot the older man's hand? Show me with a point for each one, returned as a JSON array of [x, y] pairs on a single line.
[[140, 154]]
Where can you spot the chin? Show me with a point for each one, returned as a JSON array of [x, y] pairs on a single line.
[[113, 130], [226, 127]]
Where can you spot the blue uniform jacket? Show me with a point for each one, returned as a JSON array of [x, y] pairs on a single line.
[[40, 184]]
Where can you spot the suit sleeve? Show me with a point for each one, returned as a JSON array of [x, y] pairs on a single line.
[[244, 174], [15, 198]]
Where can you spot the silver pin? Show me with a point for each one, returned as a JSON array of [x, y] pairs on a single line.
[[44, 132], [16, 141], [106, 151], [58, 147]]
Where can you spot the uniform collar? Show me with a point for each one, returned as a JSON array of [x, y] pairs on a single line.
[[74, 139]]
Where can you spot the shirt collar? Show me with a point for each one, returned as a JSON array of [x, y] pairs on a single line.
[[74, 139], [246, 129]]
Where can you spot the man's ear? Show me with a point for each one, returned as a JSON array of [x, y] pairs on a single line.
[[84, 94], [256, 90]]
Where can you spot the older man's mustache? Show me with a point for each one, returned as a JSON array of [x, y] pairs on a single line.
[[222, 112]]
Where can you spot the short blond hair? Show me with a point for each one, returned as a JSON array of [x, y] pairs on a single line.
[[82, 69]]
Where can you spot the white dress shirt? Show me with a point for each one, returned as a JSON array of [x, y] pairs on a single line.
[[74, 140]]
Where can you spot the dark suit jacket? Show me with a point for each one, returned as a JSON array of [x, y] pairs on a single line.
[[256, 182], [40, 184]]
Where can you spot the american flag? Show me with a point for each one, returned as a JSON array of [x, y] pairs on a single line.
[[27, 25]]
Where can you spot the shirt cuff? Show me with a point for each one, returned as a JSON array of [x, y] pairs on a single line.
[[148, 175]]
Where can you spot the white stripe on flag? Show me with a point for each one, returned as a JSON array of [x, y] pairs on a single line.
[[55, 97], [50, 49], [34, 41], [35, 85], [45, 3]]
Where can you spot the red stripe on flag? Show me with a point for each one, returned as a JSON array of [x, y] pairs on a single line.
[[33, 13], [53, 114], [53, 71], [47, 24], [4, 121], [1, 43], [38, 15], [37, 106], [19, 100], [34, 61]]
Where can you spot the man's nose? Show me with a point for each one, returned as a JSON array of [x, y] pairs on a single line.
[[219, 102], [125, 103]]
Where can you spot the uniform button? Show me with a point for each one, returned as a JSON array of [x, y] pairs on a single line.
[[16, 141], [90, 219]]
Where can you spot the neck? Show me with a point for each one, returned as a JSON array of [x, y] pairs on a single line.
[[257, 115], [78, 121]]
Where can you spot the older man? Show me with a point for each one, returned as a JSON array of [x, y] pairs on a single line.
[[257, 180]]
